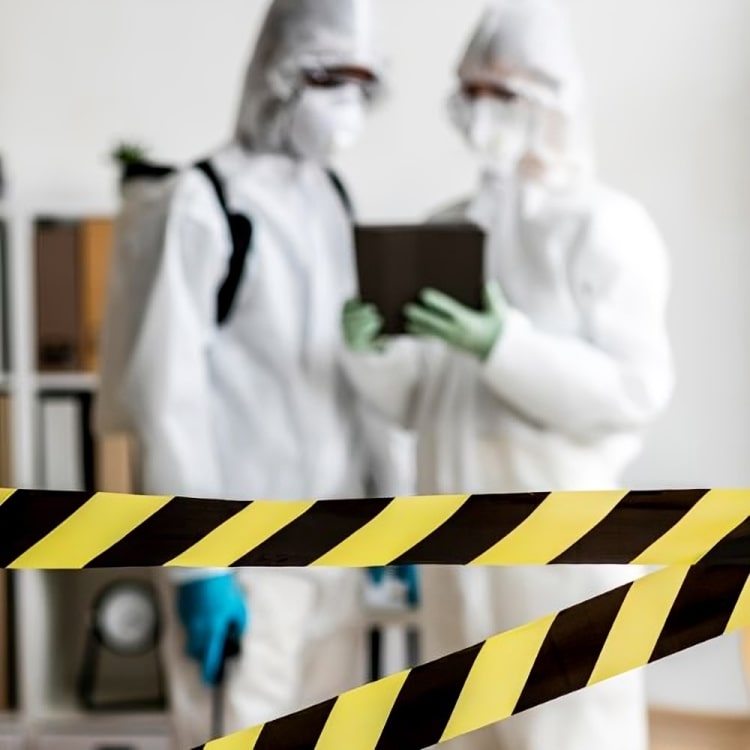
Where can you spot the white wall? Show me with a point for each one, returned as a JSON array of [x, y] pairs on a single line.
[[671, 85]]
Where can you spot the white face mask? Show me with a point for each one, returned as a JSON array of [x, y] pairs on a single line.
[[498, 131], [326, 121]]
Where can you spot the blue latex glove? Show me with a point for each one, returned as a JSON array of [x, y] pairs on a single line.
[[210, 609], [406, 574]]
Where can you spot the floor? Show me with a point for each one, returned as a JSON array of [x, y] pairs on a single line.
[[677, 731]]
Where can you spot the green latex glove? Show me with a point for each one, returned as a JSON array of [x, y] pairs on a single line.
[[362, 324], [443, 317]]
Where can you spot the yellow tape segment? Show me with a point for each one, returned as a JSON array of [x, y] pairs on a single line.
[[740, 618], [558, 523], [502, 668], [715, 516], [497, 678], [98, 524], [404, 523], [244, 740], [639, 623], [357, 719], [5, 494], [240, 534]]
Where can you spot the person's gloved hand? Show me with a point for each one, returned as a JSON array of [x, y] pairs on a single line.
[[408, 575], [443, 317], [210, 609], [362, 324]]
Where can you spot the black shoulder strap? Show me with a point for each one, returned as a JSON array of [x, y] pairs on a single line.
[[206, 167], [342, 191], [240, 227], [241, 233]]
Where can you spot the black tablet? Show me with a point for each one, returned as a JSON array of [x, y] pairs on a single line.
[[395, 263]]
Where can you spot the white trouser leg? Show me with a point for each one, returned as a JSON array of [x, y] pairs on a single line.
[[304, 644]]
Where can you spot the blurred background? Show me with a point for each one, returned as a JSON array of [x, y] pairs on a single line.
[[670, 92]]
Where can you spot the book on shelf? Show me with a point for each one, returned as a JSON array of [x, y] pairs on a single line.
[[72, 266], [6, 443], [73, 457], [114, 464], [5, 663], [66, 450], [5, 362], [97, 237]]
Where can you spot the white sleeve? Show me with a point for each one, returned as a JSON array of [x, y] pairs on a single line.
[[388, 381], [167, 388], [616, 377]]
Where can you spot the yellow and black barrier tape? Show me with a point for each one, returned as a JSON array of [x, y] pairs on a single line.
[[75, 530], [624, 629]]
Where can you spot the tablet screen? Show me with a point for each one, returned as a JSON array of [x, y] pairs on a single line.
[[395, 263]]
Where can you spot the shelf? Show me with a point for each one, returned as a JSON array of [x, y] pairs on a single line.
[[116, 723], [57, 208], [63, 601], [93, 732], [65, 711], [52, 607], [62, 382], [387, 618]]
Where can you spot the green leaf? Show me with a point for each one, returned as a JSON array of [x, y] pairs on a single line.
[[129, 153]]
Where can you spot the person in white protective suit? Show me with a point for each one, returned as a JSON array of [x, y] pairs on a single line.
[[552, 385], [257, 407]]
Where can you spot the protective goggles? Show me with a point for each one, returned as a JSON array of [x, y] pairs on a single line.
[[477, 90], [510, 89], [342, 75]]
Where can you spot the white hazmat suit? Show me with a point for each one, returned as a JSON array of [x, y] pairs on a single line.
[[580, 369], [259, 407]]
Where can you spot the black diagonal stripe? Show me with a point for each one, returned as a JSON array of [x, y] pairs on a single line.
[[426, 701], [173, 529], [734, 549], [702, 608], [27, 516], [298, 731], [480, 523], [637, 521], [571, 649], [317, 531]]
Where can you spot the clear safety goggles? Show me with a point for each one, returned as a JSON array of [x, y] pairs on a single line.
[[511, 90], [473, 90], [331, 77]]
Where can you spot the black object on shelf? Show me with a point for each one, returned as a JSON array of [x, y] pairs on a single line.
[[124, 623], [12, 643], [375, 637], [232, 649], [376, 650]]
